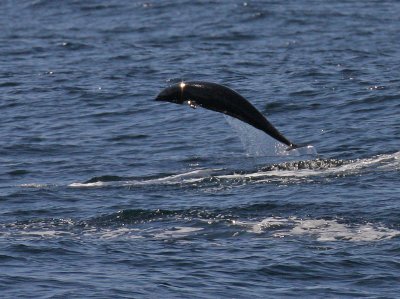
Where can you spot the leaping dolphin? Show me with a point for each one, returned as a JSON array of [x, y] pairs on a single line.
[[222, 99]]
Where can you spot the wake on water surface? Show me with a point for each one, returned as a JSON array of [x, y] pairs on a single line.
[[297, 167], [197, 223], [307, 170], [272, 162]]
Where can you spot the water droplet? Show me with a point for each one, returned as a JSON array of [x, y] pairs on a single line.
[[192, 104]]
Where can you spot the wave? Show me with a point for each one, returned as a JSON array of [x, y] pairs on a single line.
[[303, 171], [195, 224], [323, 230], [294, 171]]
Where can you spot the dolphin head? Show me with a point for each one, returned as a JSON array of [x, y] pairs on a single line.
[[173, 94]]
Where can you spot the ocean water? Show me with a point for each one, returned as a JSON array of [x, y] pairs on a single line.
[[105, 193]]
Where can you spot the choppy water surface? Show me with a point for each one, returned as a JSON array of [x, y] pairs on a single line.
[[106, 193]]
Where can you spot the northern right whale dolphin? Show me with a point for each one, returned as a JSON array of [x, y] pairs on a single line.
[[222, 99]]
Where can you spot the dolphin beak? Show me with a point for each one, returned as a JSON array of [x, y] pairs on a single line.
[[159, 98], [164, 96]]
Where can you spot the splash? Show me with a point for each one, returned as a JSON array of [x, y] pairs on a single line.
[[258, 143]]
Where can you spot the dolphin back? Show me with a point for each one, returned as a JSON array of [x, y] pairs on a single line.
[[222, 99]]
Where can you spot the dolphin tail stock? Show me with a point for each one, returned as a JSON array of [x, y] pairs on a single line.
[[292, 147]]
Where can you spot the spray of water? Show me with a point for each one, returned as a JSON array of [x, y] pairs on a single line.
[[258, 144]]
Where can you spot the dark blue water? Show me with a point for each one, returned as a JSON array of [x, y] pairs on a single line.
[[105, 193]]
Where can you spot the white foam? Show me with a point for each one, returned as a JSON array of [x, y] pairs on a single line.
[[35, 185], [331, 230], [177, 232], [123, 232], [320, 229], [88, 185], [44, 233], [265, 224], [356, 166]]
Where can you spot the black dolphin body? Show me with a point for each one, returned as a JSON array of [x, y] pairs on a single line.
[[222, 99]]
